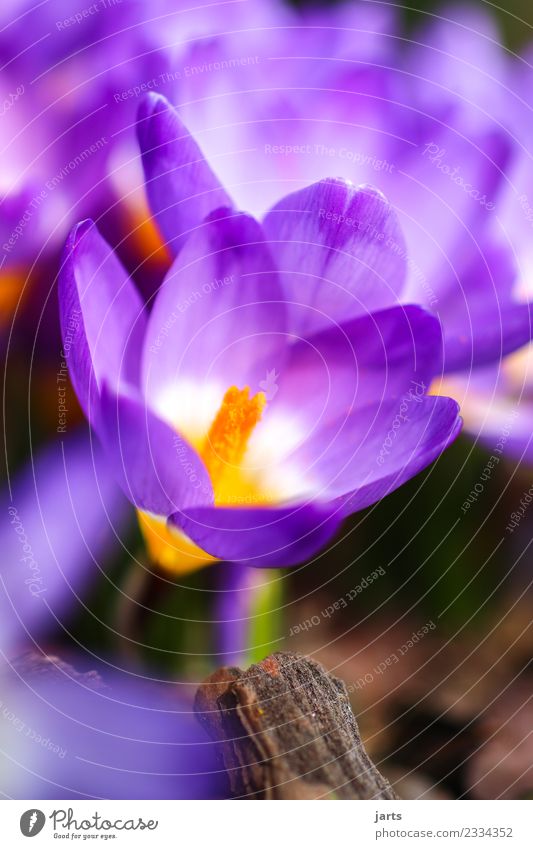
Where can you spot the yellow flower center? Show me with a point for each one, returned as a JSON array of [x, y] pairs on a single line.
[[222, 451], [226, 443]]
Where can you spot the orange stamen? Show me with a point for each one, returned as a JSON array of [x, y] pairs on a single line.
[[222, 451], [227, 440]]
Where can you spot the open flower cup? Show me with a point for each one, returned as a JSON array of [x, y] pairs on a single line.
[[274, 384]]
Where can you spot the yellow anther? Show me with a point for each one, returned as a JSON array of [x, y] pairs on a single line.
[[222, 451], [225, 445]]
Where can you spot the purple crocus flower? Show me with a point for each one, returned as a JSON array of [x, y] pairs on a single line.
[[59, 518], [440, 122], [61, 134], [70, 76], [273, 389], [102, 734], [99, 734], [496, 399]]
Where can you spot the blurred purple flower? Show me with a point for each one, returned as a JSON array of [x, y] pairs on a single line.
[[71, 76], [58, 519], [175, 395], [102, 734], [292, 96], [441, 122]]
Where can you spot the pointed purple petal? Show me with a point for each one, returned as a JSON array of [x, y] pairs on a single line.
[[102, 317], [219, 317], [348, 366], [261, 536], [182, 189], [359, 460], [156, 467]]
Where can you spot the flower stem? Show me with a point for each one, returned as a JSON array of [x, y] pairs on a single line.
[[136, 595], [247, 617]]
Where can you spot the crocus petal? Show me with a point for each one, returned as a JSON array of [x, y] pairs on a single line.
[[104, 736], [350, 365], [446, 196], [182, 188], [14, 209], [64, 513], [281, 536], [102, 317], [155, 466], [497, 406], [484, 300], [359, 460], [218, 319], [339, 250], [507, 328], [465, 37]]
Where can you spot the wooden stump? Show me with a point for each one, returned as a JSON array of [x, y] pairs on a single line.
[[287, 731]]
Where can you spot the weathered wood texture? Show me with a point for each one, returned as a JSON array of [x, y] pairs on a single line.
[[287, 731]]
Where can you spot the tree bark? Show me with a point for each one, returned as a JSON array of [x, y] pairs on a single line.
[[287, 731]]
